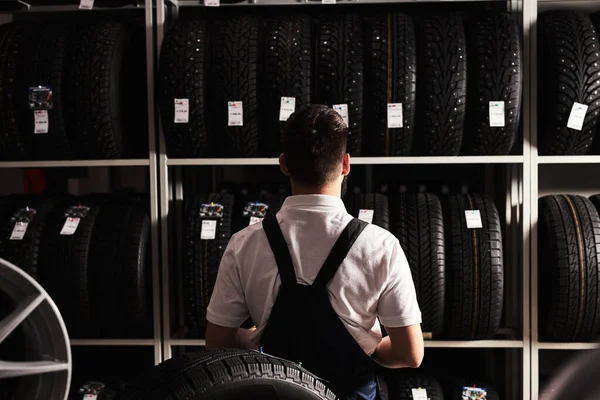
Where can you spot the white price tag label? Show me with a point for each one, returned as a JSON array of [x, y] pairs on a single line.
[[473, 218], [90, 396], [209, 229], [254, 220], [419, 394], [182, 111], [212, 3], [236, 113], [395, 119], [70, 226], [497, 118], [328, 1], [19, 231], [288, 106], [342, 109], [366, 215], [41, 122], [577, 116], [86, 4]]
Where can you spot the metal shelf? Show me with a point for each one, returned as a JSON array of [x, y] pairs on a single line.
[[112, 342], [197, 3], [355, 160], [27, 8], [567, 346], [567, 159], [75, 163]]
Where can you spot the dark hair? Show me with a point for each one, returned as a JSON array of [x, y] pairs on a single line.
[[314, 144]]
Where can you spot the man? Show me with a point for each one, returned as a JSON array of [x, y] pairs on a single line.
[[314, 279]]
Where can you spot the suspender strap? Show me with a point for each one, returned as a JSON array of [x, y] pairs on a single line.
[[339, 251], [280, 249]]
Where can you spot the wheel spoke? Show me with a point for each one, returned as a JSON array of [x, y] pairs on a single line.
[[12, 369], [14, 319]]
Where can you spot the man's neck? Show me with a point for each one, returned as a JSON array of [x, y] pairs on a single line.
[[331, 190]]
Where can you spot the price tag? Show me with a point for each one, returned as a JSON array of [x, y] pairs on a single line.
[[394, 115], [41, 123], [419, 394], [86, 4], [497, 114], [182, 111], [254, 220], [209, 229], [342, 109], [236, 113], [328, 1], [288, 106], [19, 231], [366, 215], [212, 3], [474, 393], [70, 226], [577, 116], [90, 396], [473, 219]]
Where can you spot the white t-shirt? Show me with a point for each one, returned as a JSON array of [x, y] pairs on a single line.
[[373, 281]]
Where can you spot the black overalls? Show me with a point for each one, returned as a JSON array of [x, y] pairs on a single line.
[[303, 326]]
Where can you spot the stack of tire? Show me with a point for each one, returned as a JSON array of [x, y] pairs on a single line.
[[387, 72], [92, 256], [569, 266], [95, 73], [569, 83]]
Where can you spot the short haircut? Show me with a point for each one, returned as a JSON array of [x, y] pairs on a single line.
[[314, 144]]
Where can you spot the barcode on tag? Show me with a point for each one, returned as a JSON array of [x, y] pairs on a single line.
[[41, 123], [182, 111], [497, 118], [473, 218], [209, 229], [328, 1], [419, 394], [342, 109], [577, 116], [366, 215], [394, 115], [288, 106], [70, 226], [19, 230], [254, 220], [211, 3], [86, 4], [236, 113]]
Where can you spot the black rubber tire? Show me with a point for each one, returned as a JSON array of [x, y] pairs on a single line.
[[441, 100], [456, 388], [202, 259], [63, 270], [568, 70], [46, 66], [400, 384], [287, 72], [182, 69], [120, 272], [475, 271], [234, 77], [227, 374], [338, 77], [569, 253], [418, 223], [105, 103], [370, 201], [15, 42], [390, 77], [495, 74]]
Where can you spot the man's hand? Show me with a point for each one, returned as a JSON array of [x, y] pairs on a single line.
[[220, 337], [402, 348]]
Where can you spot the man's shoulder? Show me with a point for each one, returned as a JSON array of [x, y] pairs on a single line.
[[377, 234], [247, 234]]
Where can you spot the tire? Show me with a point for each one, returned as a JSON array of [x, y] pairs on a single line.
[[338, 77], [15, 40], [182, 72], [371, 201], [287, 72], [105, 103], [568, 36], [400, 384], [456, 388], [202, 259], [234, 78], [227, 374], [63, 270], [120, 272], [390, 77], [442, 66], [419, 226], [495, 74], [569, 295], [46, 66], [475, 275]]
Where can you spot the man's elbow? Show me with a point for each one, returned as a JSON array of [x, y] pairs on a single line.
[[415, 359]]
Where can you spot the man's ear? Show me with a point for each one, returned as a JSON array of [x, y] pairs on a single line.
[[346, 165], [283, 165]]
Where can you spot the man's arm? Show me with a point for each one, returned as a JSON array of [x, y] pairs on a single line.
[[403, 348], [220, 337]]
